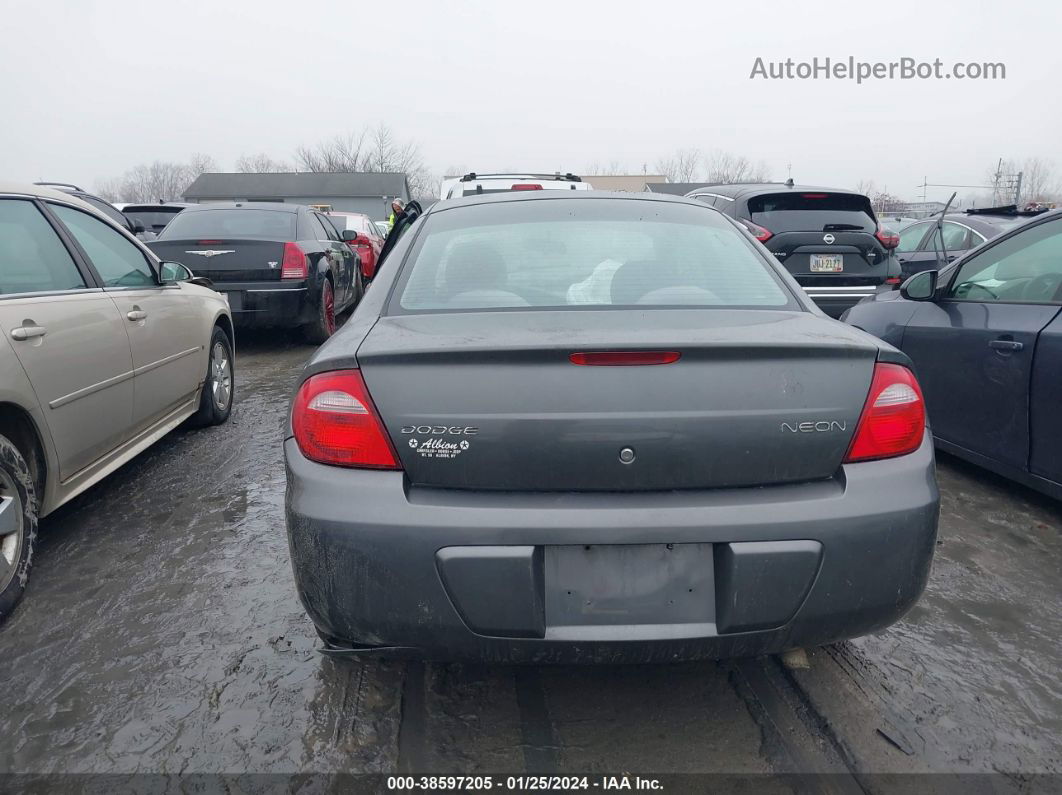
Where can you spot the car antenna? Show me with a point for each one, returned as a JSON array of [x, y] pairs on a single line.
[[942, 256]]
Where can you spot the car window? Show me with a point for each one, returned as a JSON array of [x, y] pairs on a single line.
[[956, 238], [911, 237], [118, 261], [232, 223], [1026, 268], [153, 219], [326, 227], [585, 254], [32, 257], [318, 228], [808, 211], [109, 210]]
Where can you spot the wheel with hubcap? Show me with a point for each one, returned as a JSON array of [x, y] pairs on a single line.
[[18, 525], [324, 325], [215, 401]]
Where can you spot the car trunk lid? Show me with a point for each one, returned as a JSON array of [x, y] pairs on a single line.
[[492, 400], [225, 260]]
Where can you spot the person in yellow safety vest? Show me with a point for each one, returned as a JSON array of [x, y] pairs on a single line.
[[396, 210]]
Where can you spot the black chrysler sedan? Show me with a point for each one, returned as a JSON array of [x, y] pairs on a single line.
[[601, 427], [278, 264], [985, 337]]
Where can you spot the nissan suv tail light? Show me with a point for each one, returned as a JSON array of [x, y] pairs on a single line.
[[336, 423], [759, 232], [887, 237], [894, 416], [293, 264]]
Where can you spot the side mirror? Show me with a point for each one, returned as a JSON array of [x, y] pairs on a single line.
[[171, 272], [920, 287], [348, 235], [138, 227]]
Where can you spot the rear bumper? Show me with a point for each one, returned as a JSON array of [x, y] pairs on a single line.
[[835, 300], [556, 577], [275, 303]]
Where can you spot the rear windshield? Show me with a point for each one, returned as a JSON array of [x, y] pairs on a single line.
[[812, 212], [584, 254], [156, 220], [232, 223]]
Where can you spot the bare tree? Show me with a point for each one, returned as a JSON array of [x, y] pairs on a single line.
[[683, 166], [1039, 182], [866, 187], [369, 150], [157, 181], [610, 169], [724, 167], [260, 163], [110, 190], [200, 163], [342, 153]]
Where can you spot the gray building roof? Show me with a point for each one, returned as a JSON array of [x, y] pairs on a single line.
[[223, 186]]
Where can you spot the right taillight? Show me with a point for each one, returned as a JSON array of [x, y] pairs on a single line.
[[761, 233], [894, 417], [293, 264], [887, 237], [335, 422]]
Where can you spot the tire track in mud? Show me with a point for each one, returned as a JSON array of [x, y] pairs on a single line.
[[412, 730], [797, 739], [536, 727]]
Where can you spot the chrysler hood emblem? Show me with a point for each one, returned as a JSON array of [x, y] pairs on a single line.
[[825, 239], [212, 252]]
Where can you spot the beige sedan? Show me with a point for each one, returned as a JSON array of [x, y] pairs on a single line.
[[105, 349]]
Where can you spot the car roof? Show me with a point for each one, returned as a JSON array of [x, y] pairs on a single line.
[[746, 189], [556, 195], [176, 206], [283, 207], [42, 192]]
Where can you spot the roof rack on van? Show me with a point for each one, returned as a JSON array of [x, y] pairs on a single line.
[[1005, 209], [58, 185], [569, 177]]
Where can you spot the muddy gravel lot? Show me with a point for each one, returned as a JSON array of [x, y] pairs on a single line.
[[161, 634]]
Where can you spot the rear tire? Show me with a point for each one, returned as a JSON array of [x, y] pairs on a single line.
[[219, 388], [324, 325], [18, 525]]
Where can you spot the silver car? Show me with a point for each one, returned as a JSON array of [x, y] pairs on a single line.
[[105, 349]]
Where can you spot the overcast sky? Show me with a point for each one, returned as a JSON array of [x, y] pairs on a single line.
[[91, 88]]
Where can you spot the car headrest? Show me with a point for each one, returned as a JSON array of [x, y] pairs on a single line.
[[1016, 267], [634, 279], [475, 266]]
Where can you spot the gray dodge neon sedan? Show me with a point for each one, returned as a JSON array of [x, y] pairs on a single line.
[[602, 427]]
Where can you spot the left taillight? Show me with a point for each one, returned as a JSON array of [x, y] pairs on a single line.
[[761, 233], [893, 421], [336, 423], [293, 264]]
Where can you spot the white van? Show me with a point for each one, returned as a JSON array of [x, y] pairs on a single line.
[[476, 184]]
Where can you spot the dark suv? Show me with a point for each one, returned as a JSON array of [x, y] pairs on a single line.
[[134, 226], [829, 239]]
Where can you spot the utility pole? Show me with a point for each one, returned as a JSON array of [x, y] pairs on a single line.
[[1017, 190]]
